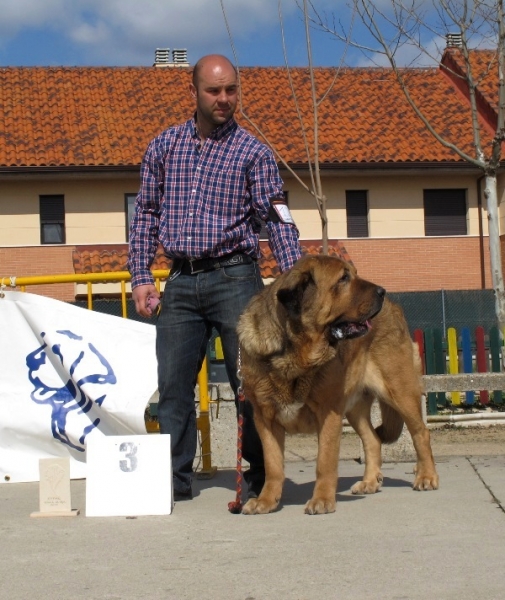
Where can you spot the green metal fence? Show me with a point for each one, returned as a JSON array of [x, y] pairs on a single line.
[[443, 309], [423, 310]]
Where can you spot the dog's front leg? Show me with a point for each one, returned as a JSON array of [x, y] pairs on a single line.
[[330, 429], [272, 437]]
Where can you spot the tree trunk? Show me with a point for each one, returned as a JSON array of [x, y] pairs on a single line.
[[324, 227], [491, 195]]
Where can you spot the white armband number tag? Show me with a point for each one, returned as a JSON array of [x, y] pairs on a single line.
[[284, 213]]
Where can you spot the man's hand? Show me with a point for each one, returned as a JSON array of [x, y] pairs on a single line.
[[146, 298]]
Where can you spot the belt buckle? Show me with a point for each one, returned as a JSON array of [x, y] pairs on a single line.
[[194, 271], [236, 259]]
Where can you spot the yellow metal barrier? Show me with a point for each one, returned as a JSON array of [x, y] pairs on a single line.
[[203, 420], [203, 424]]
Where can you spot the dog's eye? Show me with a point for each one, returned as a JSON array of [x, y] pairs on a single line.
[[345, 277]]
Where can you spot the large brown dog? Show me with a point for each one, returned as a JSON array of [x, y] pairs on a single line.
[[318, 344]]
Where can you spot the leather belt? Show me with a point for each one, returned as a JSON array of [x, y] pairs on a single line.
[[192, 266]]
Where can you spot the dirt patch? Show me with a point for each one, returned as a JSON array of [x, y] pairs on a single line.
[[468, 441], [445, 441]]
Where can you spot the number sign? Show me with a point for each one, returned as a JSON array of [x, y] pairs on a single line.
[[128, 476]]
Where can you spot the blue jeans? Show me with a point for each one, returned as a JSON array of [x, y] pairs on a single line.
[[192, 305]]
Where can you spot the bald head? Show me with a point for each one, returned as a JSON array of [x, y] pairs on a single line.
[[215, 89], [209, 64]]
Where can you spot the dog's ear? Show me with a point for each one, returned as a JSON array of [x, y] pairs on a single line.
[[290, 295]]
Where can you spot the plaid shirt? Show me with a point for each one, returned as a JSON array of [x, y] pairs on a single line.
[[206, 200]]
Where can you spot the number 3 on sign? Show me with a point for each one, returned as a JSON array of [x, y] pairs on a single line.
[[129, 450], [128, 475]]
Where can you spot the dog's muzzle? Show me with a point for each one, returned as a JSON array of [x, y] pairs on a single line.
[[348, 330]]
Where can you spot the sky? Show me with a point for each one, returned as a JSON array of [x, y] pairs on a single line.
[[127, 32]]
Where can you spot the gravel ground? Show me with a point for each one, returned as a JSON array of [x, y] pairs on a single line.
[[445, 441]]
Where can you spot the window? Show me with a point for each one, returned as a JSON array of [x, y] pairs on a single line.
[[129, 200], [52, 219], [356, 208], [445, 212], [264, 232]]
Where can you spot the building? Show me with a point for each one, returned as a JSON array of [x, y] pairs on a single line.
[[408, 210]]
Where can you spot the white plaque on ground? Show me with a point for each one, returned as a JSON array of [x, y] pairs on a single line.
[[128, 475], [54, 489]]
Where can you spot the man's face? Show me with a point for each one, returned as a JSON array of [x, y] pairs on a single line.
[[216, 94]]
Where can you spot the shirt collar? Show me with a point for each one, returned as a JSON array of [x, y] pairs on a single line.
[[217, 134]]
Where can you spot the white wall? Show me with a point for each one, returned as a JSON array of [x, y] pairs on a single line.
[[95, 209], [395, 203]]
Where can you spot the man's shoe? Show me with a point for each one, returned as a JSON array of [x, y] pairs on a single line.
[[181, 496]]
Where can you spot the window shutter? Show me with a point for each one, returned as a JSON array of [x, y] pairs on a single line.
[[445, 212], [356, 206], [52, 208], [52, 219]]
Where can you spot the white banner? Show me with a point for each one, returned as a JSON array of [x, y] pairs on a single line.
[[66, 374]]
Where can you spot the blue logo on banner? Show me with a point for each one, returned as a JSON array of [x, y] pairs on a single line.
[[79, 363]]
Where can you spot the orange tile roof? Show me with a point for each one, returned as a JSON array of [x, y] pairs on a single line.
[[104, 259], [484, 66], [93, 117], [484, 71]]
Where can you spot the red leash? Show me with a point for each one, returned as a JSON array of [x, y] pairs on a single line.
[[236, 507]]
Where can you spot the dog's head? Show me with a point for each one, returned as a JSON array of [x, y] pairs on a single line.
[[325, 295], [308, 310]]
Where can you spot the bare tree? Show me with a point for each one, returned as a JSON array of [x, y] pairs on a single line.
[[315, 187], [398, 25]]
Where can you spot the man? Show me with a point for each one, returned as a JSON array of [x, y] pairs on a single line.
[[205, 187]]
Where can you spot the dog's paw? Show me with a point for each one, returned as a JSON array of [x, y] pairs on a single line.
[[368, 486], [426, 482], [320, 506], [259, 506]]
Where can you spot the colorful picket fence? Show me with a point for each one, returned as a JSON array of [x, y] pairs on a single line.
[[460, 354]]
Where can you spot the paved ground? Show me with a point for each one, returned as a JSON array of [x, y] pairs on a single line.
[[395, 545]]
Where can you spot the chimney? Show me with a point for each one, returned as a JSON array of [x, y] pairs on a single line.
[[180, 57], [162, 58], [454, 40]]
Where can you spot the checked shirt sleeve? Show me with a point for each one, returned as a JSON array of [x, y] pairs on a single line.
[[266, 183], [145, 223]]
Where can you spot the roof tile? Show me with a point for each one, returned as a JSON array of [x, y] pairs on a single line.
[[93, 116], [484, 69], [103, 259]]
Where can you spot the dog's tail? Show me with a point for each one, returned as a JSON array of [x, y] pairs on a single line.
[[392, 424]]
